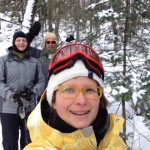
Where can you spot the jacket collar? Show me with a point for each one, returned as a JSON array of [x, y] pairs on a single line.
[[14, 55]]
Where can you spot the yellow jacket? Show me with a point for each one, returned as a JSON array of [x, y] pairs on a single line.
[[44, 137]]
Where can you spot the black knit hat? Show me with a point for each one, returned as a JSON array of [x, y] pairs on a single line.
[[15, 36]]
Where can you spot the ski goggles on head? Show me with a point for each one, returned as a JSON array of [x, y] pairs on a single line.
[[66, 56]]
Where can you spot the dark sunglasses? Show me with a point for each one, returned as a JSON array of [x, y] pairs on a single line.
[[52, 42]]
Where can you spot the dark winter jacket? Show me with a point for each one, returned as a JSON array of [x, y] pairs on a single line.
[[15, 75], [44, 62], [35, 52]]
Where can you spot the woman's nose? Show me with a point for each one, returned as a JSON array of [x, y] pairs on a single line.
[[81, 99]]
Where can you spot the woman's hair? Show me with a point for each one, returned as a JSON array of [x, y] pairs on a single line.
[[103, 102], [48, 35]]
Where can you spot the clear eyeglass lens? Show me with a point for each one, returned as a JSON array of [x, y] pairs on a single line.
[[71, 92]]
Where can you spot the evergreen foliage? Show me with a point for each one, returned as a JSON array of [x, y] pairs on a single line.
[[118, 30]]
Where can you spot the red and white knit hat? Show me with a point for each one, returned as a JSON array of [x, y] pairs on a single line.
[[78, 69]]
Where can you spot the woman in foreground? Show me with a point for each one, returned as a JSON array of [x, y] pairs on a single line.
[[72, 112]]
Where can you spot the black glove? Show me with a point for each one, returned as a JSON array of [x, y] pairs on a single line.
[[27, 94], [70, 38], [33, 31], [35, 28], [15, 96]]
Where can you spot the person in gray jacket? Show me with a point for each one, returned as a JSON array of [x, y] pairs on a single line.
[[48, 48], [21, 82]]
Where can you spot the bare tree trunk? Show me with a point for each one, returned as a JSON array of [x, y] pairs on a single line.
[[124, 64], [34, 11], [50, 15], [114, 25], [57, 20], [77, 8], [91, 23]]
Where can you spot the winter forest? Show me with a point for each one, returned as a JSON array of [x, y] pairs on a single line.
[[119, 30]]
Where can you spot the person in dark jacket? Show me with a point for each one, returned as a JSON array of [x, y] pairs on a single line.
[[33, 32], [48, 48], [21, 82]]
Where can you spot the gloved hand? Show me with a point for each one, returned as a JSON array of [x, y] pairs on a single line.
[[70, 38], [27, 94], [14, 96], [33, 31], [35, 28], [25, 103]]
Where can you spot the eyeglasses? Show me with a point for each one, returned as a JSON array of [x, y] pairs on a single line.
[[52, 42], [72, 91], [65, 54]]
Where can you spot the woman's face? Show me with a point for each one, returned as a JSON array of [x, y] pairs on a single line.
[[79, 111], [50, 43], [21, 43]]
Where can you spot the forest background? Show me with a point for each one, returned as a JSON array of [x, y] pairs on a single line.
[[119, 30]]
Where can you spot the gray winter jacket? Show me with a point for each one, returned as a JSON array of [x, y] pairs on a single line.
[[43, 62], [15, 75]]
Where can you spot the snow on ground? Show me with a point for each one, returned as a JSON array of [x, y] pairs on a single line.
[[139, 134]]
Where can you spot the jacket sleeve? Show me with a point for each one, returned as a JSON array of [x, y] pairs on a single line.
[[5, 90], [39, 81]]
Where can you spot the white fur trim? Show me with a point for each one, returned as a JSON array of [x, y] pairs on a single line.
[[78, 69]]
